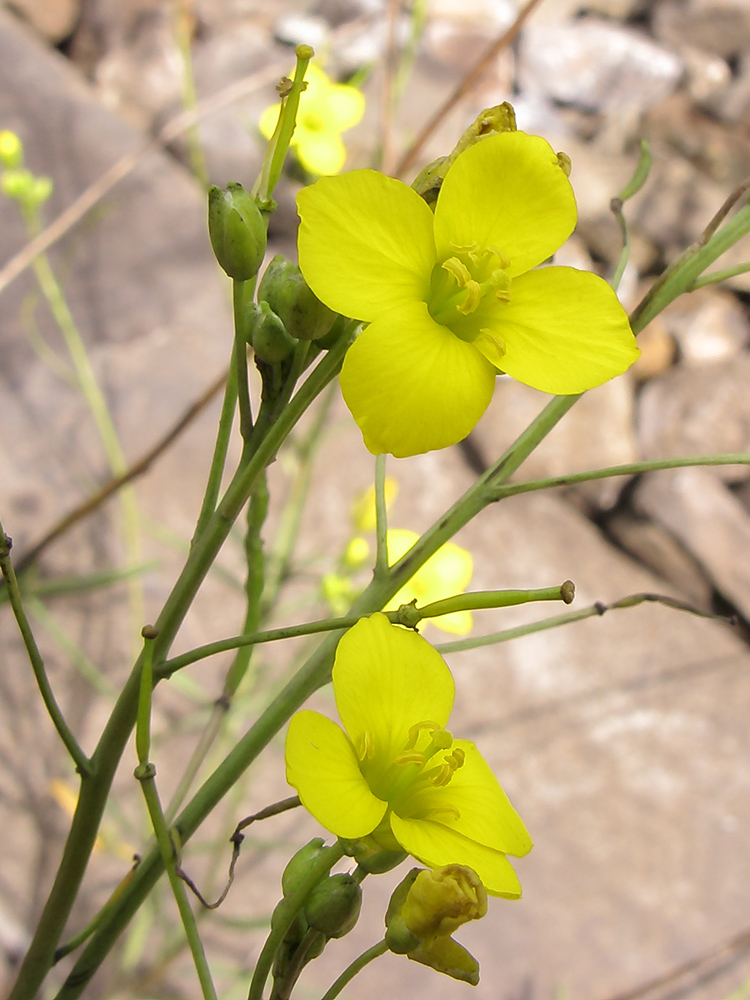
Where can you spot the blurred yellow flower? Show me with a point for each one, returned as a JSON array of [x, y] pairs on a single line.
[[446, 573], [326, 109]]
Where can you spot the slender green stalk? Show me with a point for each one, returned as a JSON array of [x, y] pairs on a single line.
[[280, 558], [356, 966], [682, 273], [221, 447], [405, 615], [81, 761], [631, 469], [714, 277], [285, 913], [145, 773], [633, 187], [381, 519], [242, 292], [278, 145]]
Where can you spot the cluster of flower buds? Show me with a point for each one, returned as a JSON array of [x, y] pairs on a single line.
[[426, 908], [330, 911], [16, 181]]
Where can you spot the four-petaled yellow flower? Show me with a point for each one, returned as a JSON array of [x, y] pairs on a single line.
[[326, 109], [394, 771], [451, 298], [446, 573]]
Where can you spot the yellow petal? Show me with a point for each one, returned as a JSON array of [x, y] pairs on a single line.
[[347, 105], [387, 679], [436, 845], [412, 386], [365, 243], [564, 331], [509, 192], [322, 766], [321, 152], [268, 120]]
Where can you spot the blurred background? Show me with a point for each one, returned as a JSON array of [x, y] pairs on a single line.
[[622, 740]]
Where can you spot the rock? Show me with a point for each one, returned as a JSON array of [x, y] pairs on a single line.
[[707, 520], [718, 26], [598, 432], [698, 411], [596, 65], [658, 351], [707, 75], [708, 325], [650, 544], [53, 19]]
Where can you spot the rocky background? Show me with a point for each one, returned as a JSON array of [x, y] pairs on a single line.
[[623, 741]]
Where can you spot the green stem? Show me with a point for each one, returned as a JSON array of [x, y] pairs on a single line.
[[219, 459], [381, 519], [285, 913], [183, 18], [406, 615], [716, 276], [593, 610], [242, 292], [82, 762], [357, 965], [682, 273], [633, 187], [145, 773], [631, 469]]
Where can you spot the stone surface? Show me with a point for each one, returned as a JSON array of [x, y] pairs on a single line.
[[711, 523], [53, 19], [698, 411], [598, 432], [596, 65], [709, 325]]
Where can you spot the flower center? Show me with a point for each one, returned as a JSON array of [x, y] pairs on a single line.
[[423, 763], [460, 283]]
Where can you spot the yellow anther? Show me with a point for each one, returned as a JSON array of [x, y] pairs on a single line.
[[439, 776], [503, 260], [431, 727], [365, 747], [473, 298], [409, 757], [458, 269], [458, 757]]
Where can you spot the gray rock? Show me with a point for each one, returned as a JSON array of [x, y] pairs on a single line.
[[596, 65], [718, 26], [698, 411], [598, 432], [708, 325], [53, 19], [711, 523]]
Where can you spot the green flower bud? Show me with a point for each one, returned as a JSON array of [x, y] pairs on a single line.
[[300, 864], [333, 906], [326, 342], [17, 184], [268, 336], [237, 231], [371, 856], [288, 294]]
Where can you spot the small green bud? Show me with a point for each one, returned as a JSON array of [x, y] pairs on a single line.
[[333, 906], [237, 231], [299, 865], [327, 341], [17, 184], [293, 301], [371, 856], [269, 337], [11, 150]]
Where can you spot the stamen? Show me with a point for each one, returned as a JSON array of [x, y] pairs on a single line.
[[431, 727], [503, 260], [458, 269], [473, 298], [449, 811], [365, 747], [409, 757]]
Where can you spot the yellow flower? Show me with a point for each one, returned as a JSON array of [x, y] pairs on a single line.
[[394, 771], [326, 109], [446, 573], [424, 911], [450, 299]]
